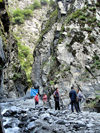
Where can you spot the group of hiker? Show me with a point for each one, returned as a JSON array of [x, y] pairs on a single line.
[[76, 97], [37, 99]]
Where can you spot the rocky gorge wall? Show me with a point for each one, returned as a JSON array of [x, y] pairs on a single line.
[[68, 51], [12, 78], [27, 17]]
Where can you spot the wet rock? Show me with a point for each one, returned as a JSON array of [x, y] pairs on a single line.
[[45, 116], [8, 125], [33, 119], [39, 122], [31, 125], [77, 126], [46, 108], [9, 113], [21, 125], [13, 130], [45, 127], [90, 125], [23, 117], [61, 122], [50, 121], [81, 123], [43, 121], [52, 112]]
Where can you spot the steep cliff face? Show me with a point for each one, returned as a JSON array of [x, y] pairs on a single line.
[[2, 61], [29, 30], [12, 77], [27, 17], [68, 52]]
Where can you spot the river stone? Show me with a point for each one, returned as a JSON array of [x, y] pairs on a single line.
[[10, 113], [90, 125], [45, 116], [52, 112], [31, 125], [35, 120], [61, 122]]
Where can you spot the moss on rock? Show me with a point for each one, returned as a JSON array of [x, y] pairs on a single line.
[[26, 58]]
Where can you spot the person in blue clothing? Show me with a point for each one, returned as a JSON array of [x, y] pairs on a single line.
[[73, 97]]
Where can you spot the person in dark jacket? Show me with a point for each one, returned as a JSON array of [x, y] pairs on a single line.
[[73, 97], [56, 98]]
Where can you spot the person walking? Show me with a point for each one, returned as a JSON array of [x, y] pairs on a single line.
[[56, 99], [73, 97], [44, 99], [36, 99]]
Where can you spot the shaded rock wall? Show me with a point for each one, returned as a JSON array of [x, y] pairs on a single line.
[[12, 77]]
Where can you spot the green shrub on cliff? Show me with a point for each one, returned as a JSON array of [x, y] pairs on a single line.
[[44, 2], [26, 59], [27, 13], [98, 24], [20, 15], [52, 3], [96, 62], [18, 20], [52, 19], [36, 4], [17, 76]]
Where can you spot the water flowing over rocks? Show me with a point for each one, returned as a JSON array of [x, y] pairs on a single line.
[[20, 116]]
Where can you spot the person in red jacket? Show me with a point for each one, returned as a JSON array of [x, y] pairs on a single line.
[[44, 99], [36, 99]]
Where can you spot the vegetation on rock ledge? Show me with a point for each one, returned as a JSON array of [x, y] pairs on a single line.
[[19, 15], [52, 19], [26, 58]]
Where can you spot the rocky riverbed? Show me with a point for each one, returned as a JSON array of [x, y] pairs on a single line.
[[21, 116]]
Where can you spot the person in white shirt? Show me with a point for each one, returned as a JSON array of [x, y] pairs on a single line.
[[80, 96]]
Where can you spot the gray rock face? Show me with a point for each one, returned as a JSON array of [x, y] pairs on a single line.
[[2, 57], [12, 77], [69, 52], [23, 118], [42, 55], [62, 8], [2, 62]]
